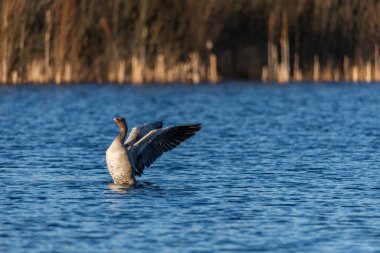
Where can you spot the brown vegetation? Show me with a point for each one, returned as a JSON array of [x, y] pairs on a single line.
[[141, 41]]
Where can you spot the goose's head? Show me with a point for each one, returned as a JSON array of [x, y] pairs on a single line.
[[123, 128], [121, 122]]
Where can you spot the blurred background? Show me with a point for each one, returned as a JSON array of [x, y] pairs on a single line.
[[192, 41]]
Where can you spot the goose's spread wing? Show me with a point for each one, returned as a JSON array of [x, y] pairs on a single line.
[[154, 144], [140, 131]]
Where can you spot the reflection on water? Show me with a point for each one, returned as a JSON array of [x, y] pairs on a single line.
[[120, 188], [275, 168], [125, 188]]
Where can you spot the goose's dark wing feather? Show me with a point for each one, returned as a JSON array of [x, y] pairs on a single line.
[[140, 131], [154, 144]]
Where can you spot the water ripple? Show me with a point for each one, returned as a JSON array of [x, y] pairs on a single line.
[[287, 169]]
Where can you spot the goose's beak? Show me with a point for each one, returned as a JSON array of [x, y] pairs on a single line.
[[116, 120]]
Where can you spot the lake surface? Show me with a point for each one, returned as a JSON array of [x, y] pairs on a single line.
[[275, 169]]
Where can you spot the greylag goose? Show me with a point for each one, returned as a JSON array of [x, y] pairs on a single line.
[[128, 158]]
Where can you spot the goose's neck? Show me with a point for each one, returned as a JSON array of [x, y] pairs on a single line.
[[122, 134]]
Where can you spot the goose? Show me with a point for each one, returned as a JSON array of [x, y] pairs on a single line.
[[127, 159]]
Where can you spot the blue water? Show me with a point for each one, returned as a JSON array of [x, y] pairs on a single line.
[[275, 169]]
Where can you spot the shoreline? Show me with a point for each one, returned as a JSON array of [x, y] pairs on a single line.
[[220, 83]]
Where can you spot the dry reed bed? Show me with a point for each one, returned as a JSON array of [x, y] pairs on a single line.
[[144, 41], [279, 66], [61, 61]]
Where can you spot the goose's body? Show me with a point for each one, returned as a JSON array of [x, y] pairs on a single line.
[[118, 163], [144, 145]]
